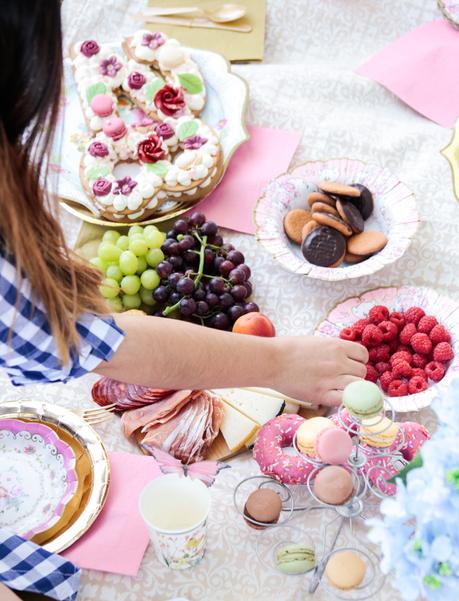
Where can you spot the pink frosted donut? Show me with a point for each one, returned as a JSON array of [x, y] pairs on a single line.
[[268, 452], [415, 436]]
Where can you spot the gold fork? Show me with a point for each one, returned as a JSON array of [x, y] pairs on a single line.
[[97, 416]]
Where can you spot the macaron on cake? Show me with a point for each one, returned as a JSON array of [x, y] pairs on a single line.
[[345, 570], [295, 558], [378, 432], [308, 432], [264, 506], [363, 399], [333, 485], [333, 446]]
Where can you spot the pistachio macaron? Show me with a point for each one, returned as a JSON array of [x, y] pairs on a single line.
[[295, 558], [363, 399]]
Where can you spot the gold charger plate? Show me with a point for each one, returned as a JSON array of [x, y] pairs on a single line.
[[87, 437]]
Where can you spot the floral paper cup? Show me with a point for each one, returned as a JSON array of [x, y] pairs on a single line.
[[175, 510]]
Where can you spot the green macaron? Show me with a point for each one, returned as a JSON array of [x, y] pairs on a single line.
[[363, 399], [295, 558]]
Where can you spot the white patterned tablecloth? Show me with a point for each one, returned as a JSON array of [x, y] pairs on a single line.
[[306, 83]]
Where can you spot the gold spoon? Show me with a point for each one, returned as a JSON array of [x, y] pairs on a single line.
[[224, 13]]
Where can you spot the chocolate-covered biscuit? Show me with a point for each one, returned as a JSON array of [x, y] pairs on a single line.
[[351, 215], [332, 221], [364, 202], [324, 246]]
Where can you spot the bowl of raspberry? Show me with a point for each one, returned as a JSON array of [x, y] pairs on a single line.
[[412, 337]]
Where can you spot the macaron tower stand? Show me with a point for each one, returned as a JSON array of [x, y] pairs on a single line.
[[369, 467]]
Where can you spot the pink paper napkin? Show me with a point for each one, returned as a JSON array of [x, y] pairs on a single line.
[[421, 69], [267, 154], [118, 539]]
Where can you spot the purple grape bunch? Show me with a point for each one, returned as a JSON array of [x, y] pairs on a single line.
[[203, 279]]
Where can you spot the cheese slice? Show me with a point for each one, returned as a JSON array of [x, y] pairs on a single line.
[[237, 429], [258, 407]]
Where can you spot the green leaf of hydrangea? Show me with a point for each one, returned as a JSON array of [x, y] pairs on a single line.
[[187, 129], [191, 82], [417, 462], [152, 88], [96, 171], [94, 89], [159, 168]]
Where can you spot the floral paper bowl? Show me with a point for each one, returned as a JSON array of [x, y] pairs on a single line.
[[446, 311], [395, 214], [450, 10]]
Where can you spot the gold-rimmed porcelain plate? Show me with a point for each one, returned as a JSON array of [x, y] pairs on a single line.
[[76, 427]]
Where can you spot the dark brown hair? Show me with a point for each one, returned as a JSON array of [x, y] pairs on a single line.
[[30, 87]]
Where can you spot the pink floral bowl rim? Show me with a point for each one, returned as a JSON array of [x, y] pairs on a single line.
[[57, 447], [450, 10], [445, 309], [395, 214]]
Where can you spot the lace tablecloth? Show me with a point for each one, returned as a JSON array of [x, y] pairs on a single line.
[[305, 83]]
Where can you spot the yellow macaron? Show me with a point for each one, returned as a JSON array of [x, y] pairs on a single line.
[[307, 433], [377, 432]]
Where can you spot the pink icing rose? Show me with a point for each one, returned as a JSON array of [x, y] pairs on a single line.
[[98, 149], [89, 48], [194, 142], [170, 100], [165, 130], [151, 150], [153, 40], [102, 187], [136, 80]]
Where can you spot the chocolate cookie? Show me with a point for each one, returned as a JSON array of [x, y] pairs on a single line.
[[366, 243], [324, 247], [324, 208], [351, 215], [332, 221], [336, 189], [294, 222], [364, 202], [319, 197]]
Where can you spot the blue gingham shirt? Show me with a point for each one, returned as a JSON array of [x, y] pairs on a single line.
[[29, 354]]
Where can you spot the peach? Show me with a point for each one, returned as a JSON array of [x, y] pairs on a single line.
[[255, 324]]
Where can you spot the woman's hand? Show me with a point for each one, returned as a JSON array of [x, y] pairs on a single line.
[[317, 369]]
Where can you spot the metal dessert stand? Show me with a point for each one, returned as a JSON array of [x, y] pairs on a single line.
[[368, 466]]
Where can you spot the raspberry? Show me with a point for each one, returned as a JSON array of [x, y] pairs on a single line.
[[403, 348], [417, 384], [393, 345], [371, 336], [378, 314], [426, 324], [435, 371], [372, 374], [389, 330], [407, 333], [417, 371], [379, 353], [419, 360], [421, 343], [414, 314], [385, 379], [359, 326], [439, 334], [348, 334], [397, 388], [382, 366], [398, 319], [443, 352], [401, 356], [401, 369]]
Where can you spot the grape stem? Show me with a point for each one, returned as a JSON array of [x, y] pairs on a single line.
[[168, 310], [201, 260]]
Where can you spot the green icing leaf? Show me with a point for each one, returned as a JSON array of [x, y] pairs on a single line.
[[97, 171], [192, 83], [187, 129], [152, 88], [94, 89], [159, 168]]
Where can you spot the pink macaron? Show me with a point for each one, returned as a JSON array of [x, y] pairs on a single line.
[[102, 105], [333, 446], [115, 128]]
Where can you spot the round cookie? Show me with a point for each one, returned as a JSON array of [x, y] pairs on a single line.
[[295, 558], [364, 202], [345, 570], [354, 259], [337, 189], [379, 433], [351, 215], [324, 246], [333, 485], [333, 446], [307, 229], [319, 197], [294, 221], [366, 243], [263, 505], [324, 208], [308, 432], [332, 221], [363, 399]]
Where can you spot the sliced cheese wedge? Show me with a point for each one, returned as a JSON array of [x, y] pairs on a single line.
[[237, 429], [258, 407]]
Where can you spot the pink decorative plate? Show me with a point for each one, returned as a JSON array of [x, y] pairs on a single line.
[[37, 477], [443, 308], [395, 214]]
